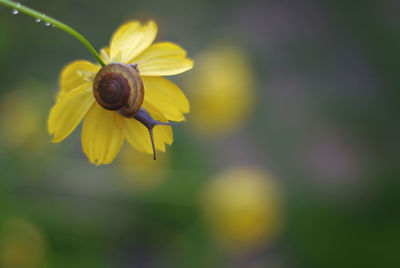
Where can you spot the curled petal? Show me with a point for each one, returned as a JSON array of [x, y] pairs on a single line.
[[76, 74], [163, 59], [101, 136], [131, 39], [69, 111]]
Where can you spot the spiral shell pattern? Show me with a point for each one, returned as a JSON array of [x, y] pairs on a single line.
[[119, 87], [113, 91]]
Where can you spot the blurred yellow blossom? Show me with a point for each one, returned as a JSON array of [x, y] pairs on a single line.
[[221, 90], [242, 207], [22, 117], [22, 245], [141, 173]]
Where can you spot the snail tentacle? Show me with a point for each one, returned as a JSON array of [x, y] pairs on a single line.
[[149, 122]]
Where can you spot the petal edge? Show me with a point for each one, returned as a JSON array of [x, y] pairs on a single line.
[[163, 59], [101, 135], [69, 111], [131, 39]]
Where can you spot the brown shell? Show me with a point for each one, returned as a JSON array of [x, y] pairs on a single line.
[[118, 87]]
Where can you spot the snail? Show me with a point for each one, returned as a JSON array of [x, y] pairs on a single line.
[[118, 87]]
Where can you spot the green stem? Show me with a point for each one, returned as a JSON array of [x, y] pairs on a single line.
[[33, 13]]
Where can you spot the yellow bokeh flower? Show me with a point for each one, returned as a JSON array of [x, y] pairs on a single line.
[[242, 207], [103, 131], [221, 90], [22, 129], [22, 244], [139, 172]]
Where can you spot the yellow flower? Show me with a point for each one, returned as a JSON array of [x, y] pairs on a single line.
[[22, 244], [139, 172], [242, 207], [221, 90], [104, 131], [22, 129]]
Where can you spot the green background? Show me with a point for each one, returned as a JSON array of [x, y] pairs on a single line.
[[325, 123]]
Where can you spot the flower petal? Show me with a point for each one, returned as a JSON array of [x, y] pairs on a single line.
[[169, 110], [161, 89], [101, 135], [69, 110], [105, 55], [130, 39], [138, 135], [163, 59], [164, 132], [75, 74]]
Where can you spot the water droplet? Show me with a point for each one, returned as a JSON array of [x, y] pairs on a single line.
[[47, 23], [18, 4], [53, 26], [38, 20], [14, 11]]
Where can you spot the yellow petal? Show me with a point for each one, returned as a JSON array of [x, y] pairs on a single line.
[[130, 39], [166, 96], [166, 91], [75, 74], [68, 112], [101, 135], [163, 59], [169, 111], [105, 55], [138, 135]]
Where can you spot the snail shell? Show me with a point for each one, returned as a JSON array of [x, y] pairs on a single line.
[[118, 87]]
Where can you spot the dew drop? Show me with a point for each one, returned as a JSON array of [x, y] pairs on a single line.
[[53, 26], [14, 11], [18, 4], [47, 24], [38, 20]]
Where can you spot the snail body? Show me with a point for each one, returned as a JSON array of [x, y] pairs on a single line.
[[118, 87]]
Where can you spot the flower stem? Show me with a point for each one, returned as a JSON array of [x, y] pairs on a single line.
[[33, 13]]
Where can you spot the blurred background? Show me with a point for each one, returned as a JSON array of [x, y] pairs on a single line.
[[289, 157]]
